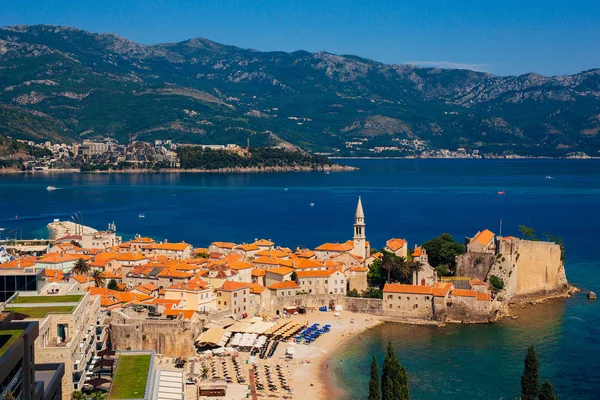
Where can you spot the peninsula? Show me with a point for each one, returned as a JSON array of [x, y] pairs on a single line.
[[256, 308]]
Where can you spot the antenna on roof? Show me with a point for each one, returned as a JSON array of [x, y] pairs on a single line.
[[500, 227]]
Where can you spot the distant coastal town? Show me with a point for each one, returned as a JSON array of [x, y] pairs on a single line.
[[245, 319], [166, 156]]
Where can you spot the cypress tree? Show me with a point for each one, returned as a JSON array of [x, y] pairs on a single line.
[[391, 385], [374, 385], [404, 383], [547, 392], [530, 381]]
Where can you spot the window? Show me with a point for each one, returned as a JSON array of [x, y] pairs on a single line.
[[335, 282], [335, 290], [408, 298], [391, 306], [244, 299], [244, 308], [289, 293], [390, 297], [326, 281], [224, 303], [399, 297], [415, 306], [427, 298]]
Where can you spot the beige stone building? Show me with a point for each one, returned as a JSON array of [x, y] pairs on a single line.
[[279, 274], [221, 247], [234, 296], [331, 281], [482, 242], [100, 240], [415, 301], [194, 294]]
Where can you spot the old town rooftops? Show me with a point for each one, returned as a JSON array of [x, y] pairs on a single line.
[[395, 244], [336, 247], [464, 293], [476, 282], [263, 243], [182, 246], [281, 271], [57, 258], [417, 252]]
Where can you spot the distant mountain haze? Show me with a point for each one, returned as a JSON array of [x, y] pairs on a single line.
[[61, 83]]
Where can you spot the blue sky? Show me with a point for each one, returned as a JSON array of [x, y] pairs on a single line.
[[503, 37]]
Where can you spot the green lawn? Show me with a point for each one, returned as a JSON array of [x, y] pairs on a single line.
[[130, 378], [41, 312], [70, 298], [7, 338]]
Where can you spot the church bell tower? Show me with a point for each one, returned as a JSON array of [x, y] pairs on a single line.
[[360, 240]]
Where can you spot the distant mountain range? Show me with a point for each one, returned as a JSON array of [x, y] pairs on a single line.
[[62, 83]]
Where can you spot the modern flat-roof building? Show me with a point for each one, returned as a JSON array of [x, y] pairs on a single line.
[[15, 280], [19, 375], [71, 329]]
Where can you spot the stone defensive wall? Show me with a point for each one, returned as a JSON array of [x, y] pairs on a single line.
[[365, 306], [173, 338]]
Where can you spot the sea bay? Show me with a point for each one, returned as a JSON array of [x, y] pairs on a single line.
[[413, 199]]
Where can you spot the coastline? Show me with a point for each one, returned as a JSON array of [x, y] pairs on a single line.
[[65, 228], [235, 170]]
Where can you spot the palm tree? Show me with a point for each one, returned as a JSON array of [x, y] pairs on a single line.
[[81, 267], [205, 372], [415, 267], [98, 277], [98, 396], [78, 395]]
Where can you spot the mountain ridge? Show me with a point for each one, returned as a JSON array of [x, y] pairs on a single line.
[[308, 99]]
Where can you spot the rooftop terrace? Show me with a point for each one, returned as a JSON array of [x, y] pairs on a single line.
[[70, 298], [131, 377], [41, 312], [7, 338]]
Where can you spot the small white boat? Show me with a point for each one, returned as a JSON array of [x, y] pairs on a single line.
[[285, 189], [50, 188], [141, 216], [312, 204], [549, 177]]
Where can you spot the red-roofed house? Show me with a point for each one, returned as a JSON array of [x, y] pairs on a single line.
[[397, 246], [482, 242], [195, 294], [281, 289]]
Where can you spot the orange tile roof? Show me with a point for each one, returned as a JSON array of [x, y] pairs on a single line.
[[272, 253], [476, 282], [417, 252], [395, 244], [316, 274], [247, 247], [464, 293], [484, 297], [171, 246], [143, 240], [130, 257], [339, 247], [56, 258], [146, 288], [484, 237], [17, 264], [284, 285], [194, 284], [167, 303], [263, 242], [409, 289], [272, 261], [256, 288], [305, 253], [305, 263], [258, 272], [174, 273], [82, 278], [281, 270], [239, 265], [441, 289], [54, 273], [359, 269], [224, 245], [229, 286]]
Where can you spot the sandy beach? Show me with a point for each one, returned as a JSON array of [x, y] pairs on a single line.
[[308, 380]]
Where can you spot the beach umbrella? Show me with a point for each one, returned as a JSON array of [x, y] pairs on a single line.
[[97, 382]]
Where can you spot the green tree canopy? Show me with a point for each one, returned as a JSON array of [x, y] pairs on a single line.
[[81, 267], [443, 251], [527, 232], [374, 384], [530, 381], [78, 395], [98, 277], [112, 285], [547, 392], [394, 381]]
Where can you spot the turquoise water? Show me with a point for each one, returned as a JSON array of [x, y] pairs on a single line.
[[416, 199]]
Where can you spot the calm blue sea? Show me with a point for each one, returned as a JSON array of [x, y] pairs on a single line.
[[415, 199]]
